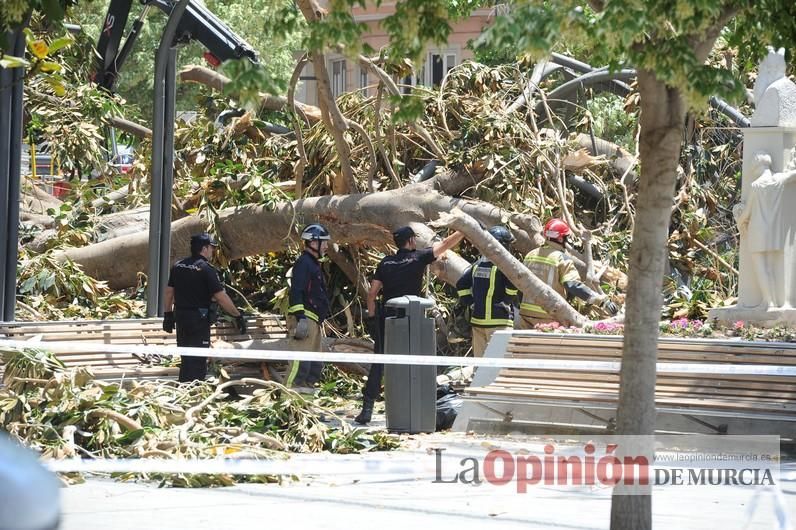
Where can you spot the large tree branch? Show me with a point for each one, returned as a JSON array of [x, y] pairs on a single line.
[[135, 129], [291, 101], [212, 79], [332, 118], [703, 43]]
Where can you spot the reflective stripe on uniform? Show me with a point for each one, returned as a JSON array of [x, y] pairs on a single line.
[[311, 315], [532, 307], [511, 292], [465, 292], [490, 293], [295, 308], [491, 322], [541, 259]]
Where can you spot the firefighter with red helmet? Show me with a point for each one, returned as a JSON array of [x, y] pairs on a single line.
[[551, 264]]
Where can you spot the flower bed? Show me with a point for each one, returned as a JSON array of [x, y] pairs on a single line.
[[683, 327]]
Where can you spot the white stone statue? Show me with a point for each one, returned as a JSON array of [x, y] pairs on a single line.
[[774, 93], [761, 222]]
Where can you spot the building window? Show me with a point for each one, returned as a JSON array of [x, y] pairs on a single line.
[[437, 65], [432, 72], [338, 77], [363, 81]]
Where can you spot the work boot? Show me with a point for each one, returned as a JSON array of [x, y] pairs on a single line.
[[367, 412]]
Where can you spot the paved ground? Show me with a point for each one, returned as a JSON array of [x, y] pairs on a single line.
[[397, 500]]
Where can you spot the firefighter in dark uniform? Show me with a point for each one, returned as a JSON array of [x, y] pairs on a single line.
[[309, 306], [551, 264], [398, 275], [191, 295], [490, 295]]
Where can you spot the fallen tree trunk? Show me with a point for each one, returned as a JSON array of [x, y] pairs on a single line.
[[364, 219]]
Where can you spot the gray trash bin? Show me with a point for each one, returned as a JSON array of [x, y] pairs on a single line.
[[410, 391]]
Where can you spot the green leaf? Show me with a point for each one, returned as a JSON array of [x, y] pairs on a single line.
[[9, 61], [47, 66], [61, 42], [53, 9]]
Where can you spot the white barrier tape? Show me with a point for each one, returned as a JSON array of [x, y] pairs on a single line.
[[296, 465], [420, 359]]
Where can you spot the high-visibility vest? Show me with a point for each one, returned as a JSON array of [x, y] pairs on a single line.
[[489, 292], [551, 264]]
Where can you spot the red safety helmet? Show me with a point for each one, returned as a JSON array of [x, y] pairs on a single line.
[[556, 229]]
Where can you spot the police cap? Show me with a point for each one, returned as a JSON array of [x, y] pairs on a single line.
[[198, 241], [402, 235]]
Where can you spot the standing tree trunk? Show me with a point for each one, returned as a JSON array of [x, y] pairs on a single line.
[[662, 120]]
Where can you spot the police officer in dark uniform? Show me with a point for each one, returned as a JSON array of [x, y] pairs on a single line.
[[398, 275], [491, 295], [191, 295], [309, 306]]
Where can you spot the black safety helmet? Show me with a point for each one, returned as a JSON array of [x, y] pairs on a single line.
[[502, 234], [402, 235], [315, 232], [199, 241]]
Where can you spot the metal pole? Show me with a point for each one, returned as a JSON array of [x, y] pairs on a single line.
[[170, 116], [6, 77], [15, 168], [114, 144], [158, 126]]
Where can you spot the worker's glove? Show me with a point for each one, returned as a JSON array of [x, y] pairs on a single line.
[[605, 303], [302, 330], [240, 322], [168, 321], [610, 307]]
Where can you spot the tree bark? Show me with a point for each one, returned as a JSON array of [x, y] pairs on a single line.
[[661, 125], [365, 219], [137, 130]]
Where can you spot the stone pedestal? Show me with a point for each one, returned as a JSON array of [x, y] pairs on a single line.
[[765, 318]]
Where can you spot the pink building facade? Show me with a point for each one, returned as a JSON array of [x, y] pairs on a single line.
[[346, 75]]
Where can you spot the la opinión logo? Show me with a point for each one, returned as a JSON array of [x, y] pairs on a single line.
[[500, 467]]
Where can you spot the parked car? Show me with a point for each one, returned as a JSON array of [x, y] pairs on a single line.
[[123, 162]]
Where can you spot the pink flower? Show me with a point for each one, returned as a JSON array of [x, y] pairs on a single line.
[[680, 323], [601, 326], [738, 324]]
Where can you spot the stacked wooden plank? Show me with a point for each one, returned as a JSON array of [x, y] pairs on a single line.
[[697, 393], [128, 332]]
